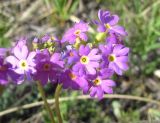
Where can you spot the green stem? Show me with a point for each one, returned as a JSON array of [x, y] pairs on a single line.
[[57, 93], [40, 88]]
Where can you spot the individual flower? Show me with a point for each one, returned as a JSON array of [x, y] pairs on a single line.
[[88, 61], [109, 22], [102, 84], [115, 57], [78, 31], [22, 61], [70, 79], [48, 67]]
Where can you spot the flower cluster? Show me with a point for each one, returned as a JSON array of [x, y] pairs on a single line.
[[75, 61]]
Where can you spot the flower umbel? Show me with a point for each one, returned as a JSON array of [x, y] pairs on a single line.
[[77, 61]]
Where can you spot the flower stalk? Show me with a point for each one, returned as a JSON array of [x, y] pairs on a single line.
[[57, 93], [40, 88]]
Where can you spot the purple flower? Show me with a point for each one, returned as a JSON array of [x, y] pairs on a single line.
[[102, 84], [109, 22], [21, 42], [87, 62], [48, 67], [51, 38], [69, 79], [114, 39], [6, 74], [22, 61], [115, 57], [45, 38], [72, 56], [78, 31]]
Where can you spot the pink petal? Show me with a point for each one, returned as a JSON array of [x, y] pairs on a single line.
[[12, 60], [108, 83], [83, 37], [123, 51], [114, 21], [30, 58], [115, 67], [122, 65], [93, 91], [90, 69], [117, 48]]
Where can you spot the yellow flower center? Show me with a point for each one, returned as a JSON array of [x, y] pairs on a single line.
[[107, 26], [84, 60], [111, 58], [46, 67], [77, 32], [23, 64], [97, 81], [72, 76]]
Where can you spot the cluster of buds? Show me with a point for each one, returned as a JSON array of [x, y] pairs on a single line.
[[74, 61]]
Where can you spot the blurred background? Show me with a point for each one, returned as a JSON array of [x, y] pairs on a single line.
[[141, 18]]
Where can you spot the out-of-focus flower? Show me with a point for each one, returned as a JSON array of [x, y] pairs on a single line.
[[109, 22], [102, 84], [22, 61], [78, 31], [115, 57]]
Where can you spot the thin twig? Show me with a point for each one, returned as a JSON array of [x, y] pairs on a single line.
[[81, 97]]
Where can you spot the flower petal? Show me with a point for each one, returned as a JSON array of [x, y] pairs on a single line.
[[122, 65], [84, 50], [115, 67], [12, 60], [108, 83], [19, 71], [30, 58], [93, 91], [90, 69], [100, 93], [119, 29], [101, 28], [123, 52], [55, 58], [83, 36], [114, 20], [117, 48], [100, 16]]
